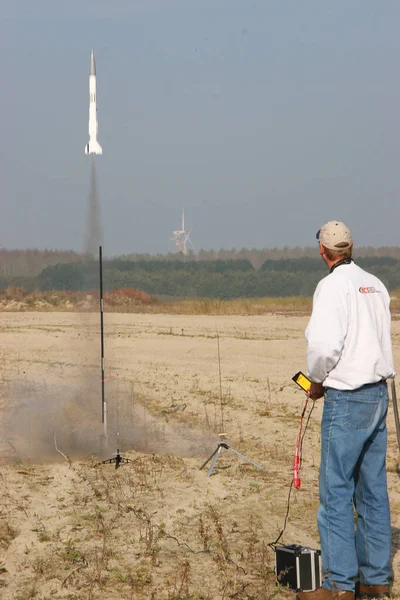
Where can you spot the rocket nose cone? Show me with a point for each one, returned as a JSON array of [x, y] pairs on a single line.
[[92, 69]]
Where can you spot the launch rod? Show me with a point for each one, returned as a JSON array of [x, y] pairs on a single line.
[[103, 402]]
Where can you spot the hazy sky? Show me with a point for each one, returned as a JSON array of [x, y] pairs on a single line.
[[262, 118]]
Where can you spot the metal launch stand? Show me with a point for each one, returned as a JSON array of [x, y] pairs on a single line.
[[117, 459], [217, 453], [103, 401], [223, 444]]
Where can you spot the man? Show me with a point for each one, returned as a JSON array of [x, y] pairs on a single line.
[[349, 358]]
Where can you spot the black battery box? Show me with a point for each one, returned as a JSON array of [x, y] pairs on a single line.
[[298, 567]]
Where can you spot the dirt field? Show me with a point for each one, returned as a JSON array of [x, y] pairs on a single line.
[[158, 527]]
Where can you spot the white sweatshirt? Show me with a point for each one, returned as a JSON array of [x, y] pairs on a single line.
[[348, 333]]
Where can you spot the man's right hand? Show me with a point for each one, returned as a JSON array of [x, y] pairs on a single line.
[[316, 391]]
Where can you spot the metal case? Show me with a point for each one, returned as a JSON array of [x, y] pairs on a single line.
[[298, 567]]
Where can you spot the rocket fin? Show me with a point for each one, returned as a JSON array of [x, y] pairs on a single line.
[[93, 147]]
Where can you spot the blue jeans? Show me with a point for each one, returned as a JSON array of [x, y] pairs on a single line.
[[353, 471]]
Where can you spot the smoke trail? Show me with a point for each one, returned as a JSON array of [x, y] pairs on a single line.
[[93, 233], [87, 401]]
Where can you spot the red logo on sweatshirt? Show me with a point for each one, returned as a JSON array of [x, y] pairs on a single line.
[[367, 290]]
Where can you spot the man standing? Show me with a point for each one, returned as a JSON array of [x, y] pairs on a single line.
[[349, 358]]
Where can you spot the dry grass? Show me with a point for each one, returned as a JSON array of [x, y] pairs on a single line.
[[239, 306], [131, 300], [137, 301], [158, 528], [123, 534]]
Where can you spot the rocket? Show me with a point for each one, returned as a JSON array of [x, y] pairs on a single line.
[[93, 147]]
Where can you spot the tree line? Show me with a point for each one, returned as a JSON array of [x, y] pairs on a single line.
[[22, 263], [223, 279]]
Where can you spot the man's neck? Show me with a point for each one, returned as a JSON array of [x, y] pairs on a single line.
[[331, 263], [342, 261]]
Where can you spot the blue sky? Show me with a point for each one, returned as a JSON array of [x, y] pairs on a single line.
[[264, 119]]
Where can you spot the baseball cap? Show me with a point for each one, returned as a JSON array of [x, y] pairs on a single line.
[[335, 235]]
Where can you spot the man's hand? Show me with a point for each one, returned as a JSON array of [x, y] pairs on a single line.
[[316, 391]]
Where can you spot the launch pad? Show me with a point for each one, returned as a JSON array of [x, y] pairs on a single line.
[[117, 459], [217, 453]]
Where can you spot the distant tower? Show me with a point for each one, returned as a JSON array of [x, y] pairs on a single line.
[[181, 237]]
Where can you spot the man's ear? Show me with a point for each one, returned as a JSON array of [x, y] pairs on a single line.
[[321, 249]]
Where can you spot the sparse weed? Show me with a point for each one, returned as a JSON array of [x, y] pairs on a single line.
[[136, 580], [177, 583], [43, 533], [29, 592], [71, 554], [7, 534]]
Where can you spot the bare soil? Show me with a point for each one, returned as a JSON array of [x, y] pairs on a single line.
[[158, 527]]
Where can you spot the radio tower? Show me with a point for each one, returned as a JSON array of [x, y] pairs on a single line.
[[182, 237]]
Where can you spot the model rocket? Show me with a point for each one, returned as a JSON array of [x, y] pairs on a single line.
[[93, 147]]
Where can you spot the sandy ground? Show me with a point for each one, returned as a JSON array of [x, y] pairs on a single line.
[[157, 527]]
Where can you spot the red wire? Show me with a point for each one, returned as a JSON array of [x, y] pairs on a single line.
[[111, 377], [297, 454]]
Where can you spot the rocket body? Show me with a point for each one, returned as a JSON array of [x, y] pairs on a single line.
[[93, 147]]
